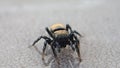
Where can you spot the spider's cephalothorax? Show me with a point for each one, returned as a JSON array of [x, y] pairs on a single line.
[[60, 36]]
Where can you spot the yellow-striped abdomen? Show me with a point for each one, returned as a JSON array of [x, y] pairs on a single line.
[[56, 26]]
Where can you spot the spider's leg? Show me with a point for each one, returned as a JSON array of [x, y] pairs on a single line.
[[43, 53], [44, 37], [71, 44], [68, 27], [54, 52], [48, 31], [78, 51], [47, 41], [36, 40], [77, 33], [77, 45], [44, 48]]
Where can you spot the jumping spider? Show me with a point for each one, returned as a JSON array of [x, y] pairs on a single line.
[[60, 36]]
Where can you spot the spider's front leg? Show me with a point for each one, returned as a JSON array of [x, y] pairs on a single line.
[[44, 37], [36, 40], [49, 32], [43, 53], [47, 41], [54, 52]]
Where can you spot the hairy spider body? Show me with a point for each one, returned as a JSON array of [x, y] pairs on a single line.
[[60, 37]]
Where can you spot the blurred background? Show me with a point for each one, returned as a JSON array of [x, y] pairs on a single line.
[[23, 21]]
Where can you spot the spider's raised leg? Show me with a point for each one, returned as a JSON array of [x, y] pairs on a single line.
[[48, 31], [68, 27], [72, 31]]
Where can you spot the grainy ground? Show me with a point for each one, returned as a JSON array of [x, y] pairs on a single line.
[[22, 21]]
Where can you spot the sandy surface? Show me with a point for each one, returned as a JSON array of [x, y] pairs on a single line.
[[22, 21]]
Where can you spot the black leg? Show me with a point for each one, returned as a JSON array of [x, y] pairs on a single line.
[[77, 33], [36, 41], [77, 45], [48, 31], [72, 46], [44, 37], [44, 48], [78, 51], [54, 52], [68, 27]]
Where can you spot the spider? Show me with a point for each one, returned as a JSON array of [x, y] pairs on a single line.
[[60, 37]]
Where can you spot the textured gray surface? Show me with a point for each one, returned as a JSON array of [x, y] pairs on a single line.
[[22, 21]]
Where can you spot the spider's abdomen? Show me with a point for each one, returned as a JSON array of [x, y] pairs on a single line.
[[57, 26], [58, 30], [60, 34]]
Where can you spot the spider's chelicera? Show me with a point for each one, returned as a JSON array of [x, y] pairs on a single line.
[[60, 37]]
